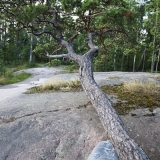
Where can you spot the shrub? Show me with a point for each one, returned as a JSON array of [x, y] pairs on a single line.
[[14, 79], [55, 62], [9, 73], [141, 86]]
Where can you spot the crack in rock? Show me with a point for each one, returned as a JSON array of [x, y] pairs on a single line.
[[12, 119]]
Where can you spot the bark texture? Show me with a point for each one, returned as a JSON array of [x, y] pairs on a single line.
[[126, 147]]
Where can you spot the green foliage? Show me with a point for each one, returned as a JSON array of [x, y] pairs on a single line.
[[127, 30], [70, 4], [28, 13], [9, 74], [73, 67], [2, 66], [13, 78], [55, 62]]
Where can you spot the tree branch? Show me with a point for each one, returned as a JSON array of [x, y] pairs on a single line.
[[71, 53], [56, 56]]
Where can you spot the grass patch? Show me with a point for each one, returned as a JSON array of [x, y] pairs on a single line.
[[156, 78], [133, 95], [25, 66], [113, 77], [14, 78], [141, 86], [54, 84]]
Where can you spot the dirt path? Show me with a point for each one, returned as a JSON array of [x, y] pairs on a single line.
[[64, 126], [38, 76]]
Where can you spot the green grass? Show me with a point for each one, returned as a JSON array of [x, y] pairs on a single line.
[[14, 78], [25, 66]]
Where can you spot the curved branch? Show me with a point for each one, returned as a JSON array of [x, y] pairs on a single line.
[[71, 53]]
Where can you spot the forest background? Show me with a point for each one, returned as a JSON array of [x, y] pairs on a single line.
[[136, 49]]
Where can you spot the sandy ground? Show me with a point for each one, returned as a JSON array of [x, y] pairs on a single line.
[[62, 126]]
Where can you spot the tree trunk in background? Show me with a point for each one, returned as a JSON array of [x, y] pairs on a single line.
[[125, 146], [153, 62], [154, 42], [31, 49], [157, 61], [115, 62], [134, 62], [128, 68], [142, 60], [122, 63]]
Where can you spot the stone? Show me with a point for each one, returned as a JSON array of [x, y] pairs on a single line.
[[103, 151]]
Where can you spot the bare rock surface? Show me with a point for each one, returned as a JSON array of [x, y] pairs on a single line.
[[65, 126], [49, 126]]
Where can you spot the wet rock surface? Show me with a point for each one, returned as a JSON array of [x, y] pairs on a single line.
[[65, 126]]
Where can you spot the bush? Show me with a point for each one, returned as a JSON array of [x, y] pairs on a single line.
[[9, 73], [14, 78], [72, 68], [2, 67], [55, 62]]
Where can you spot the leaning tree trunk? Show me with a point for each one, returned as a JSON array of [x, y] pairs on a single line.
[[126, 147]]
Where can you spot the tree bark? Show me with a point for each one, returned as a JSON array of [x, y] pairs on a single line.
[[142, 60], [126, 147], [157, 61], [56, 56], [134, 63], [122, 62], [154, 41], [115, 61], [31, 49]]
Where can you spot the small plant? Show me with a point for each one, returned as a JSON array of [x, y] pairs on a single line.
[[2, 67], [72, 68], [9, 73], [55, 62]]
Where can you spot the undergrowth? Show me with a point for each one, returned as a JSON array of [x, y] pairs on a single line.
[[10, 78], [134, 94], [54, 84]]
